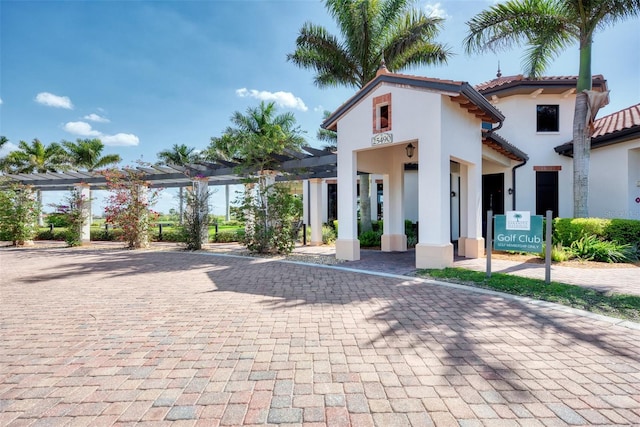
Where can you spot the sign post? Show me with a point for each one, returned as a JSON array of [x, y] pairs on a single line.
[[519, 231]]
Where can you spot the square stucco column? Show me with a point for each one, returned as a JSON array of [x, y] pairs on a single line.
[[201, 193], [473, 243], [393, 237], [85, 230], [347, 245], [434, 248], [315, 214]]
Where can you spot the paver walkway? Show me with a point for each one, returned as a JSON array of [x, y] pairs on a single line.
[[120, 337]]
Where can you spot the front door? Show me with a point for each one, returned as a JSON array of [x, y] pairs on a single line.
[[492, 197], [547, 192]]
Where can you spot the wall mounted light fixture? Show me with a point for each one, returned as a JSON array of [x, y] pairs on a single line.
[[510, 191], [410, 148]]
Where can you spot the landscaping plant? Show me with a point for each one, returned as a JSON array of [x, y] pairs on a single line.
[[129, 205], [19, 211]]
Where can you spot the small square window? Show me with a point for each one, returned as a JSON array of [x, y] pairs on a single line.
[[547, 118]]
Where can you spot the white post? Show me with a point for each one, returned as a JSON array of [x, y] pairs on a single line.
[[85, 230], [393, 237], [315, 214], [227, 215], [347, 245], [201, 193], [143, 238]]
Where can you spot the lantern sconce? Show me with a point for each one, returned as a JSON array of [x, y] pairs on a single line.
[[410, 148], [510, 191]]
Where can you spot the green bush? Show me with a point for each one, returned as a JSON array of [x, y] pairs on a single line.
[[58, 219], [568, 230], [591, 248], [623, 231], [46, 234], [228, 236], [370, 239], [168, 235], [102, 235], [328, 235]]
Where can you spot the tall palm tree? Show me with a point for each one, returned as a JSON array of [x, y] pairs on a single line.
[[256, 136], [548, 27], [372, 31], [179, 155], [86, 154], [35, 158], [3, 140]]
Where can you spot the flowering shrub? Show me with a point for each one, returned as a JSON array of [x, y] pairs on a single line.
[[75, 212], [19, 211], [129, 205]]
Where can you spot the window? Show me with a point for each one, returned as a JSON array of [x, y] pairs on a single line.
[[382, 113], [547, 118]]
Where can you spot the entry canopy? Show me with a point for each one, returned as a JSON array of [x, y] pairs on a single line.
[[305, 164]]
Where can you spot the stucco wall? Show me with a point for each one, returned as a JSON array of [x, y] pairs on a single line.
[[520, 130], [614, 176]]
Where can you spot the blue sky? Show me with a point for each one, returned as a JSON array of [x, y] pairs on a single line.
[[144, 75]]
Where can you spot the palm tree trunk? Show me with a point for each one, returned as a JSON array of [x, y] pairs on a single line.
[[582, 135], [581, 157]]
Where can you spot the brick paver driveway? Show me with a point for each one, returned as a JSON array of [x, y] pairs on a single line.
[[138, 337]]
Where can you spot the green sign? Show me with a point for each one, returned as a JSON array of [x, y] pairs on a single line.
[[518, 231]]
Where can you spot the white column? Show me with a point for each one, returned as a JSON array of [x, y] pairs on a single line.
[[434, 248], [474, 243], [315, 213], [464, 208], [85, 193], [393, 237], [143, 238], [201, 193], [347, 245], [227, 215], [373, 197], [306, 202]]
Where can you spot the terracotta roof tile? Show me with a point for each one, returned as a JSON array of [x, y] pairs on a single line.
[[501, 81], [615, 122]]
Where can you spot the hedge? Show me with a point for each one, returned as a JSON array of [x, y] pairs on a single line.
[[621, 231]]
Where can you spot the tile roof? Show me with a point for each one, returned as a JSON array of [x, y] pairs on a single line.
[[617, 127], [521, 80], [618, 121]]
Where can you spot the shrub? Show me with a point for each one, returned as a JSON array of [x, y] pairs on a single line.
[[57, 219], [19, 211], [59, 234], [104, 235], [328, 235], [370, 239], [623, 231], [591, 248], [568, 230], [228, 236], [172, 235]]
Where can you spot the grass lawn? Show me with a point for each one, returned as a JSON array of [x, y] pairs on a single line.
[[614, 305]]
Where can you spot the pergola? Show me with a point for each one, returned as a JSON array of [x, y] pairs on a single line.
[[307, 164]]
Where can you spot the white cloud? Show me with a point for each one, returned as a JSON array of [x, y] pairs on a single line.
[[319, 109], [96, 118], [7, 148], [282, 99], [80, 128], [51, 100], [120, 140], [0, 101], [85, 129], [435, 10]]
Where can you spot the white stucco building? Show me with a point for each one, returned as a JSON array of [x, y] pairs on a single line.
[[501, 145]]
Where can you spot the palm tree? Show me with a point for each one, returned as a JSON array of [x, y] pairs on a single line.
[[86, 154], [372, 31], [256, 136], [35, 158], [3, 140], [329, 137], [547, 27], [179, 155]]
